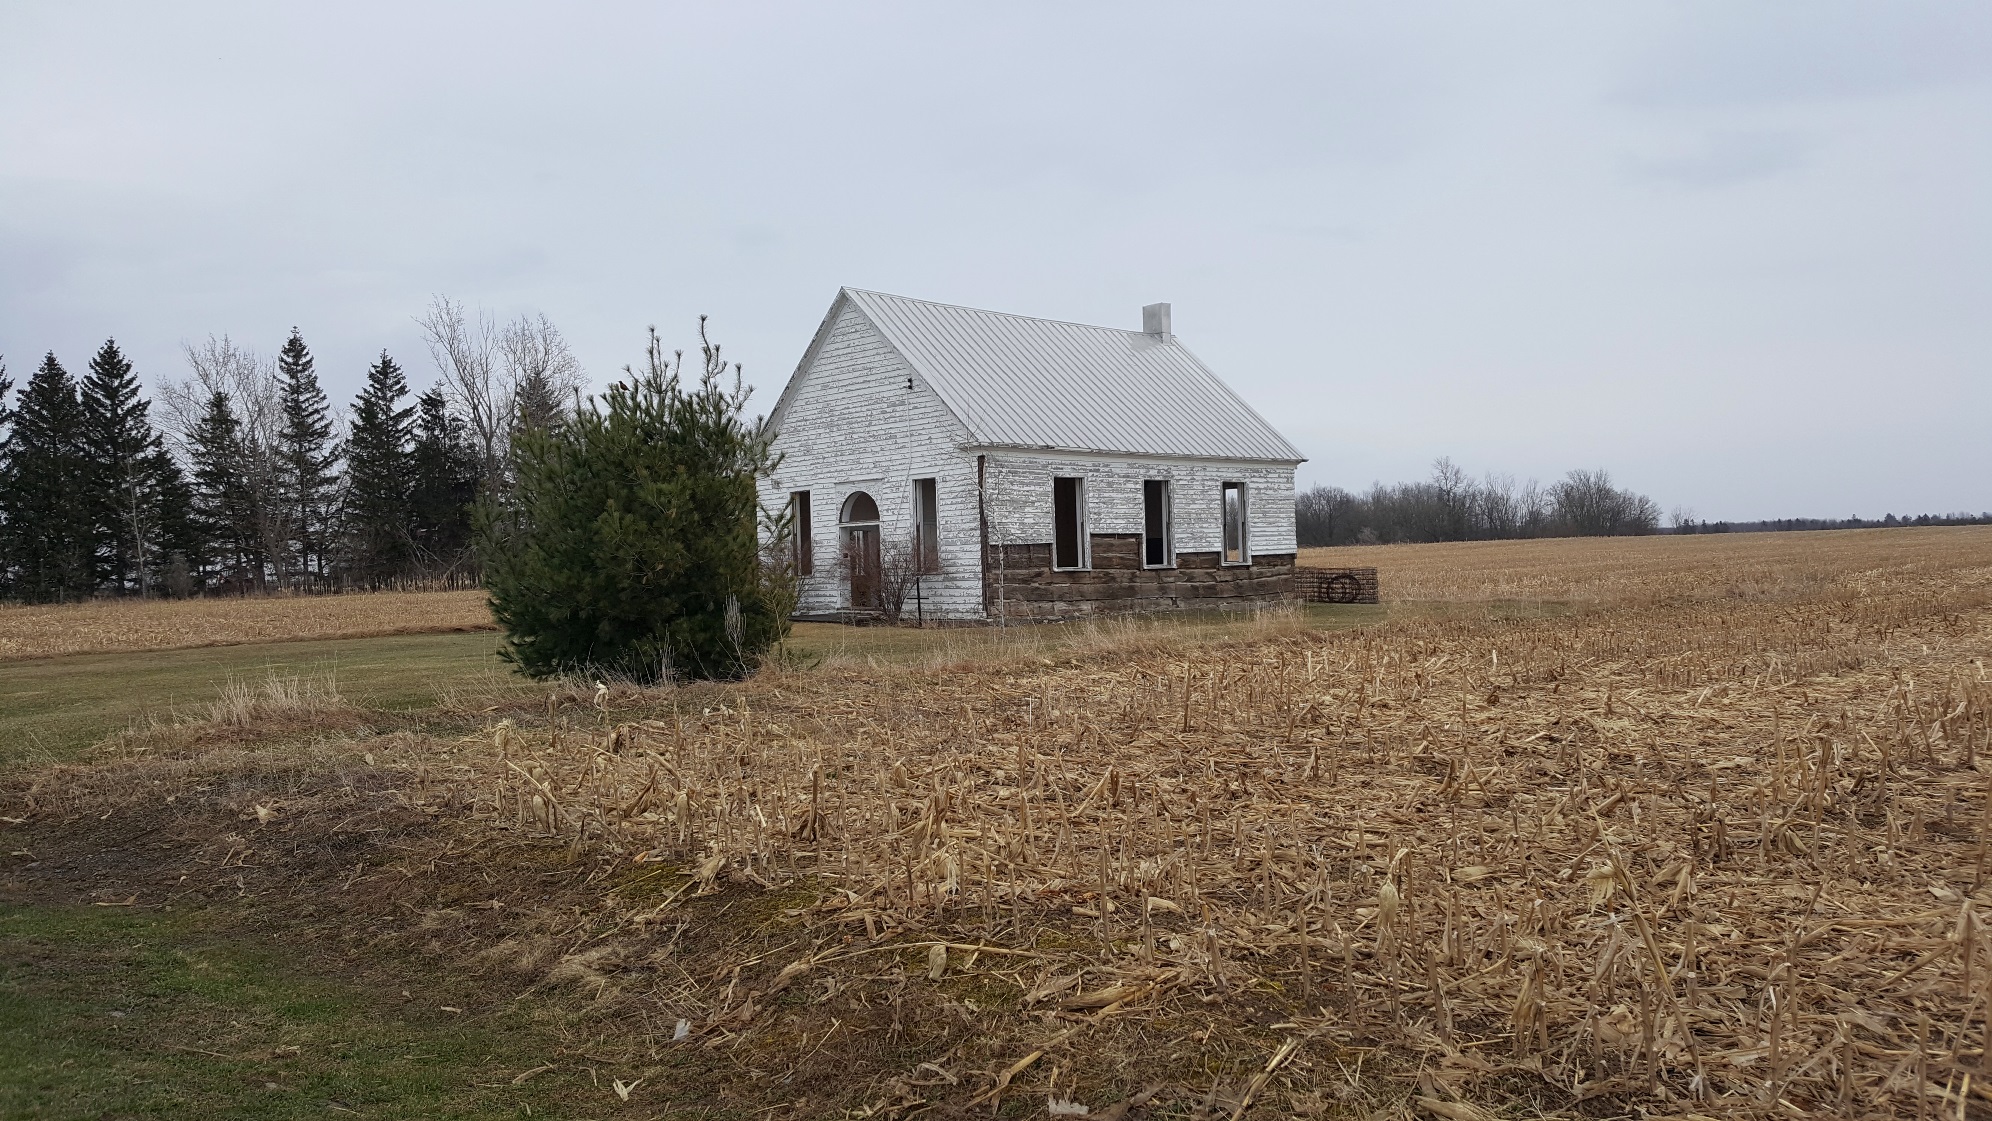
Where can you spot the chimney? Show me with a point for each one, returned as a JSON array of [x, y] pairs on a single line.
[[1155, 321]]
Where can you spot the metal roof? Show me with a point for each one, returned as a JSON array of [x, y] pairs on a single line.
[[1020, 382]]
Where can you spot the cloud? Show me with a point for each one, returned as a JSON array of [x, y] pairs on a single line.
[[1724, 159], [1720, 53]]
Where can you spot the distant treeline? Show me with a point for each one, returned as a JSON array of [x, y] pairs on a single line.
[[249, 482], [1450, 506], [1691, 524]]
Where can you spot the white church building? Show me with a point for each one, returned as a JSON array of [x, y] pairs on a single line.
[[986, 466]]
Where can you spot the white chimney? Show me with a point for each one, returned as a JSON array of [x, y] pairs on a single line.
[[1155, 321]]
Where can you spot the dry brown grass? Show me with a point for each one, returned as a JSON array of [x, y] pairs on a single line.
[[1736, 566], [1717, 844], [105, 626]]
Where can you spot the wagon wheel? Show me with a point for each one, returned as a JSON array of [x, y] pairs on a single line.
[[1341, 588]]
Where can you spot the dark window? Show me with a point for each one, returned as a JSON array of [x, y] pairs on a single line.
[[1237, 546], [1157, 551], [805, 543], [1068, 523], [926, 525]]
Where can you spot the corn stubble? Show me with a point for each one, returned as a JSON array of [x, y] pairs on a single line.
[[1689, 848], [127, 625], [1715, 843]]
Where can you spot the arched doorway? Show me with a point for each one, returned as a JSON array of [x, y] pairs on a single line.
[[857, 523]]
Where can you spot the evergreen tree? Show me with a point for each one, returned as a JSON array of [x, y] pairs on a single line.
[[380, 471], [224, 507], [446, 477], [307, 459], [125, 454], [538, 403], [6, 419], [630, 544], [49, 537]]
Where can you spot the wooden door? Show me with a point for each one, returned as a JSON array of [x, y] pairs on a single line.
[[862, 560]]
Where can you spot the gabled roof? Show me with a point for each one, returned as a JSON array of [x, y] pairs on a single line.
[[1014, 381]]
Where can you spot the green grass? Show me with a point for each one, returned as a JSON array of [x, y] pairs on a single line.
[[106, 1012], [53, 708]]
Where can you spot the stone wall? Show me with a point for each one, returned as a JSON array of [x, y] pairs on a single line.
[[1023, 585]]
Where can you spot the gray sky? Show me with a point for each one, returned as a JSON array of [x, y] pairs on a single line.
[[1739, 254]]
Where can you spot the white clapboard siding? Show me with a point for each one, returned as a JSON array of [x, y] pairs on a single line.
[[850, 422], [1019, 498]]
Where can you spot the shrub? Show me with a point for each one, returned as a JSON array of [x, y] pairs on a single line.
[[630, 544]]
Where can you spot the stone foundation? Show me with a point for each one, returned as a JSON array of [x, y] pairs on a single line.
[[1020, 583]]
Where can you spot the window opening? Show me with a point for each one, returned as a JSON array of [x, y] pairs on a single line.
[[859, 534], [805, 541], [926, 526], [1157, 549], [1068, 523], [1237, 549]]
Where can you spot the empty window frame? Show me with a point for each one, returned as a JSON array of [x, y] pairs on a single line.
[[1068, 523], [926, 526], [805, 540], [1158, 546], [1237, 536]]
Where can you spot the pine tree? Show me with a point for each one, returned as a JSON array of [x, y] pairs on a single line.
[[630, 543], [125, 454], [307, 458], [446, 477], [224, 507], [48, 545], [380, 469], [6, 419]]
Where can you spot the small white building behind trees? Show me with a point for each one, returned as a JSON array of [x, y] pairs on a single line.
[[973, 465]]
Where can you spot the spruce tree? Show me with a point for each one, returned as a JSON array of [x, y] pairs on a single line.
[[6, 419], [124, 453], [446, 477], [306, 458], [380, 471], [538, 403], [630, 543], [49, 537], [224, 508]]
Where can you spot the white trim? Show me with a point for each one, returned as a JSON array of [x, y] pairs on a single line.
[[1168, 525], [1085, 542], [1142, 457], [1244, 524]]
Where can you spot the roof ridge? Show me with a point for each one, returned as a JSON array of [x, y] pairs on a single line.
[[1004, 314]]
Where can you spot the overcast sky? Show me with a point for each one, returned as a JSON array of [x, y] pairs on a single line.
[[1738, 254]]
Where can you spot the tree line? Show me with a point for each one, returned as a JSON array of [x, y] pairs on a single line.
[[247, 481], [1452, 506], [1686, 522]]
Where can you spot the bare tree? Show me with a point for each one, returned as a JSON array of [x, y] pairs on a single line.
[[465, 351], [540, 374], [1588, 505], [898, 577], [250, 381]]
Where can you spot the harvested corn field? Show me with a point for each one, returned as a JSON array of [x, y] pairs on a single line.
[[1697, 846], [126, 625], [1620, 570]]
